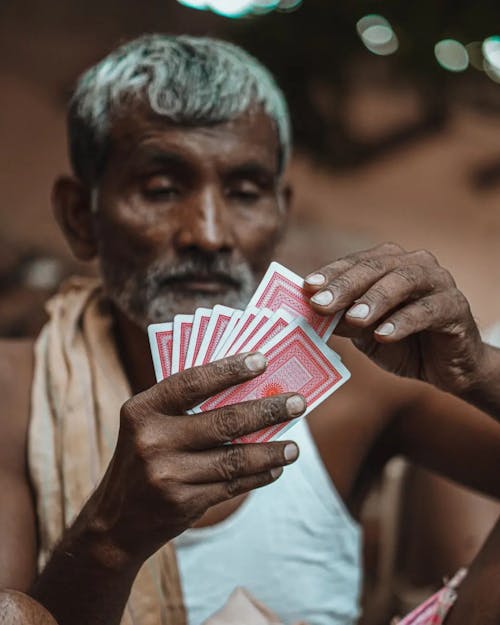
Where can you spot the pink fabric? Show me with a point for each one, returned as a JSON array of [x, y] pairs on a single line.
[[434, 610]]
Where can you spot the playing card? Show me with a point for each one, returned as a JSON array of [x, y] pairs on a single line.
[[183, 325], [160, 341], [281, 288], [248, 316], [200, 323], [235, 317], [219, 320], [297, 361], [233, 346], [262, 329]]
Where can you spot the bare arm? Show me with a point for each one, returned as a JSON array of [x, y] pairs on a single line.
[[444, 434], [485, 394], [167, 470], [478, 601], [17, 517]]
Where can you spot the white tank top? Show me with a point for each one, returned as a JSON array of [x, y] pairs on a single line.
[[292, 544]]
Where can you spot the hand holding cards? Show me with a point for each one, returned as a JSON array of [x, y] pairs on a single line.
[[278, 322]]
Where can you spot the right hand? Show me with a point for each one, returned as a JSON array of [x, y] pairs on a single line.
[[169, 468]]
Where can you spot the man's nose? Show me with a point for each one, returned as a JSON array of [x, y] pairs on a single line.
[[204, 224]]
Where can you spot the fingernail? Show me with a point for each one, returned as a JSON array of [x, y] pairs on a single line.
[[386, 329], [275, 473], [295, 405], [315, 279], [323, 298], [255, 362], [291, 452], [359, 311]]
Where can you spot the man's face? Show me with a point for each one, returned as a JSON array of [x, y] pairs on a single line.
[[187, 216]]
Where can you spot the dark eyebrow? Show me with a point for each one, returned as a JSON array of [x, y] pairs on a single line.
[[253, 170], [161, 158]]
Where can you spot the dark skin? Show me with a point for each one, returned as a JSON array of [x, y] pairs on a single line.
[[168, 192]]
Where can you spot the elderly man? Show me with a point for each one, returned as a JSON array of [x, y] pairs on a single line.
[[178, 147]]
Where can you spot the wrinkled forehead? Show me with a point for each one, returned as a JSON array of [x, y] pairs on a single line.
[[252, 136]]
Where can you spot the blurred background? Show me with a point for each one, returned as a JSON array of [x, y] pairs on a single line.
[[396, 111]]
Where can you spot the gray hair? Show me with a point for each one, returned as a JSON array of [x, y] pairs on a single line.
[[189, 80]]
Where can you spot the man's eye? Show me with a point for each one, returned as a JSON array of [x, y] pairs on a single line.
[[245, 193], [162, 193], [160, 188]]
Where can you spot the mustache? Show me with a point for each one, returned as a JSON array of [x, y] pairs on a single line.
[[213, 267]]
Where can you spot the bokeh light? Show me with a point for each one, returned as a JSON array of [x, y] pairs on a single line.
[[231, 8], [491, 51], [377, 34], [451, 55], [242, 8], [194, 4], [491, 54]]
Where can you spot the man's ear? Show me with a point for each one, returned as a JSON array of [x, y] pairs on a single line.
[[71, 202]]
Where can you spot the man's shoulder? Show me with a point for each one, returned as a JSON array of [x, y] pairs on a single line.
[[16, 364], [16, 372]]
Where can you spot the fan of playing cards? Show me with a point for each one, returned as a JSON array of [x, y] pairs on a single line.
[[278, 322]]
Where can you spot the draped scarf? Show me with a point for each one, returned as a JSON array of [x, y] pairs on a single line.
[[79, 386]]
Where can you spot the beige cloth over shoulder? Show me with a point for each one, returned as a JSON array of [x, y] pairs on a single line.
[[78, 389]]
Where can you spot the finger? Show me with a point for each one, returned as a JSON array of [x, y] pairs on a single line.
[[188, 388], [393, 290], [233, 461], [446, 311], [341, 291], [213, 428], [316, 280], [211, 495], [349, 286]]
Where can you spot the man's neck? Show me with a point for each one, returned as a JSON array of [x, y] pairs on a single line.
[[134, 353]]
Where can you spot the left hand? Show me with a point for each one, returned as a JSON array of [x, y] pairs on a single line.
[[404, 311]]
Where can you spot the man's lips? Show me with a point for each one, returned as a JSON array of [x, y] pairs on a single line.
[[201, 284]]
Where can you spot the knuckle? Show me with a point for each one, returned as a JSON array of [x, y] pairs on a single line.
[[425, 256], [376, 294], [233, 463], [404, 317], [272, 408], [459, 298], [427, 305], [342, 283], [375, 265], [156, 478], [132, 417], [127, 409], [225, 422], [445, 277], [143, 446], [191, 380], [391, 247], [411, 274], [234, 487], [347, 262], [177, 498], [228, 367], [131, 410]]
